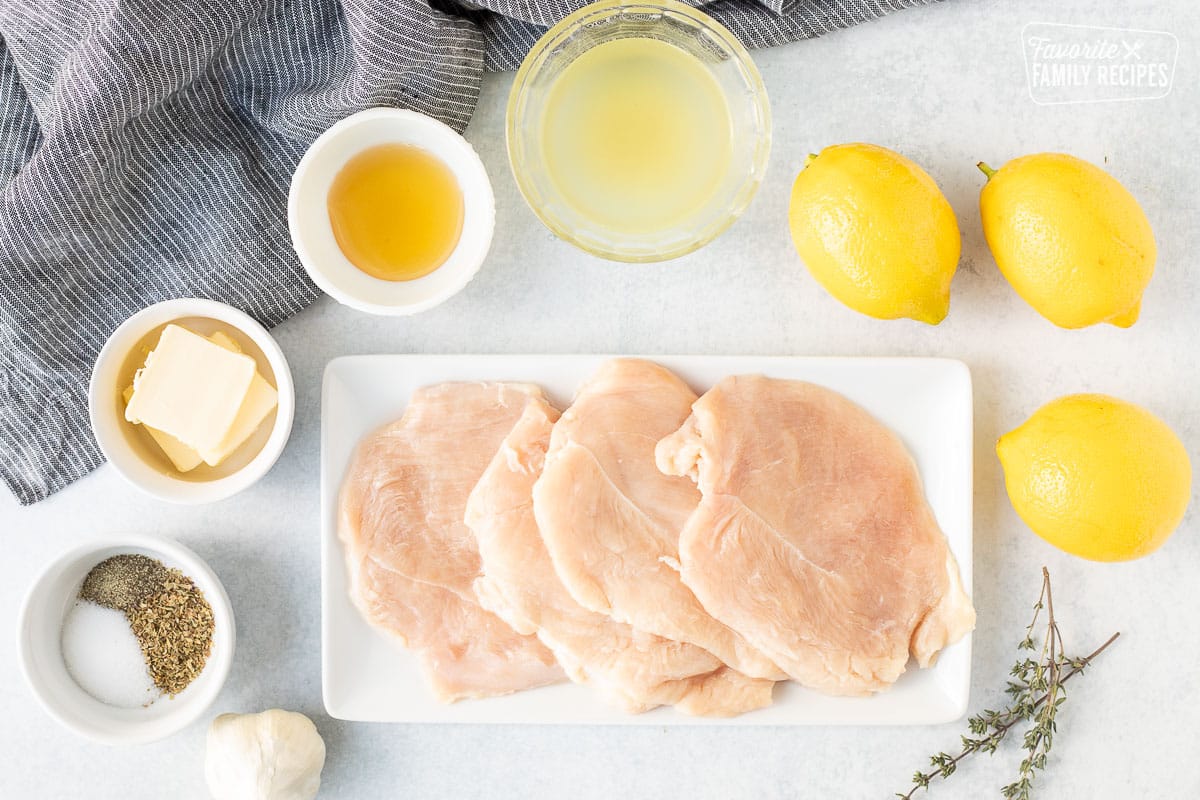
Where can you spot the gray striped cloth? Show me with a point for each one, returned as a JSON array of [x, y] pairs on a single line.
[[146, 148]]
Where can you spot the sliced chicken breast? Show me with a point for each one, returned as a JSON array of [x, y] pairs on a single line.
[[814, 539], [411, 558], [611, 521], [636, 671]]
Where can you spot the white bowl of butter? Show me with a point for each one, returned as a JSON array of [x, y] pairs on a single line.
[[191, 400]]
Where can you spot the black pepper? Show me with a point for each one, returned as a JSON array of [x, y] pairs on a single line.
[[120, 581]]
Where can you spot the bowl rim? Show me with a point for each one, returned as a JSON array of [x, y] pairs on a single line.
[[578, 19], [194, 567], [165, 486], [407, 121]]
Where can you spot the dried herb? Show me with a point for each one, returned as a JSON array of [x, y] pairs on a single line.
[[169, 616], [174, 627], [1037, 691]]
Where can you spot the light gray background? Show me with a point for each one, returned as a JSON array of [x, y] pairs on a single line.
[[946, 85]]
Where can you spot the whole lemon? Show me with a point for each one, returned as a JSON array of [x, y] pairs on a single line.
[[1097, 477], [874, 229], [1070, 239]]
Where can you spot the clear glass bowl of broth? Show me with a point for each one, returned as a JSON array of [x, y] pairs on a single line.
[[638, 131]]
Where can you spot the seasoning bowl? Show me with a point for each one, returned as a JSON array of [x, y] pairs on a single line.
[[39, 645], [312, 232], [688, 29], [130, 451]]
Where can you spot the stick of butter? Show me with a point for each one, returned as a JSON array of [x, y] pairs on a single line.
[[191, 389], [183, 457], [260, 401], [222, 338]]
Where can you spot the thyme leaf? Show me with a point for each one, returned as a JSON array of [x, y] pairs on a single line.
[[1036, 693]]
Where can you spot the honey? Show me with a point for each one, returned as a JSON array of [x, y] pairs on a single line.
[[396, 212], [637, 135]]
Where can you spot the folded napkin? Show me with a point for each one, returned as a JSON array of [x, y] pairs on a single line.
[[146, 148]]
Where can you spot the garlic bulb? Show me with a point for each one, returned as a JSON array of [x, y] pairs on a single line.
[[275, 755]]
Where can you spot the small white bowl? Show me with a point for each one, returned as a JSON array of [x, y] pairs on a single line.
[[312, 233], [39, 645], [112, 431]]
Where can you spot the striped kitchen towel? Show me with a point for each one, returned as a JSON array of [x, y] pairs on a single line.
[[146, 148]]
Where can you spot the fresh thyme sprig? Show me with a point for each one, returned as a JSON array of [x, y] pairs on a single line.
[[1036, 692]]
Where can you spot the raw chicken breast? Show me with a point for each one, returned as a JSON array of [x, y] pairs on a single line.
[[466, 651], [636, 671], [611, 520], [412, 559], [814, 538]]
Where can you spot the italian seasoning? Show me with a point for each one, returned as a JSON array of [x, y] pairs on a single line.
[[169, 615]]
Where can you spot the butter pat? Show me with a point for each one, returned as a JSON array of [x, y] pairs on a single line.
[[191, 389], [260, 401], [183, 457], [225, 340]]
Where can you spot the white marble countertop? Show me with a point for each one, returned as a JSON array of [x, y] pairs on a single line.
[[945, 85]]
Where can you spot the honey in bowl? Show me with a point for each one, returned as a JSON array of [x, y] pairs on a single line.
[[396, 212], [637, 135]]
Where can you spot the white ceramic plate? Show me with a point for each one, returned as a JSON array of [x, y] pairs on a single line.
[[369, 677]]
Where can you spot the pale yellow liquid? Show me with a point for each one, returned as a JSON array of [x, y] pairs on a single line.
[[637, 135]]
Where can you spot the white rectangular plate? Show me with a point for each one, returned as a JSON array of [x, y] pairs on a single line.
[[367, 676]]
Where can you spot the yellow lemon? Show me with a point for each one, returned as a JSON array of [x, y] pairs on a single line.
[[874, 230], [1097, 477], [1070, 239]]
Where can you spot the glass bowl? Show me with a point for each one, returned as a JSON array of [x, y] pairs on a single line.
[[696, 34]]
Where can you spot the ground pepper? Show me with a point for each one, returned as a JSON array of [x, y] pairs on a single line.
[[120, 581]]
